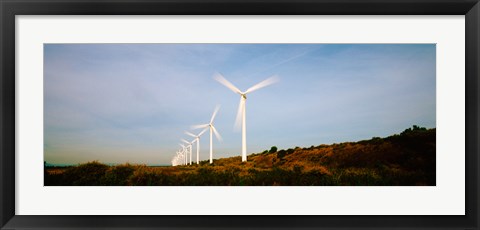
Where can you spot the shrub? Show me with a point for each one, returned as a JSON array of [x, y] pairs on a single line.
[[144, 176], [118, 175], [273, 149], [90, 173]]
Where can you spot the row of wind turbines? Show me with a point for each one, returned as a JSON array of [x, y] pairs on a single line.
[[184, 155]]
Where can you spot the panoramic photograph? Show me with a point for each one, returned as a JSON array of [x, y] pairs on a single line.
[[239, 114]]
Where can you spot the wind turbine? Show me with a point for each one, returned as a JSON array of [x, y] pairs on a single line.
[[184, 153], [189, 148], [241, 113], [180, 160], [177, 159], [197, 139], [174, 160], [212, 130]]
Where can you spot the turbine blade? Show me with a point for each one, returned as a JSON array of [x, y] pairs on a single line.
[[190, 134], [262, 84], [204, 130], [216, 133], [199, 126], [238, 120], [185, 141], [226, 83], [214, 113]]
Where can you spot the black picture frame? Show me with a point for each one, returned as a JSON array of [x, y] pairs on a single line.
[[10, 8]]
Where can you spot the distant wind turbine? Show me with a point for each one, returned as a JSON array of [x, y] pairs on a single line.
[[189, 148], [184, 154], [212, 130], [241, 114], [177, 160], [197, 139]]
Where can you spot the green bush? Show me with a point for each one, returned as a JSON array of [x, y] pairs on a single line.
[[118, 175], [88, 174], [273, 149]]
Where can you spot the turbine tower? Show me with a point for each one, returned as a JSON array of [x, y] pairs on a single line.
[[197, 139], [241, 113], [212, 130]]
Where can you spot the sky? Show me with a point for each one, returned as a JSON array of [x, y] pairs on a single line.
[[119, 103]]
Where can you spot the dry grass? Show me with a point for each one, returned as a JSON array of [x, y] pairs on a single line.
[[406, 159]]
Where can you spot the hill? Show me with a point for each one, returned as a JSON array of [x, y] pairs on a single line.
[[407, 159]]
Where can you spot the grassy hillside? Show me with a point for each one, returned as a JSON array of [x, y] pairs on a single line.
[[402, 159]]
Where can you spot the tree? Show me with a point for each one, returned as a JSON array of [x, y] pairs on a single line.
[[273, 149], [414, 128]]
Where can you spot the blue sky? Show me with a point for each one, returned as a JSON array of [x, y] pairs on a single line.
[[132, 103]]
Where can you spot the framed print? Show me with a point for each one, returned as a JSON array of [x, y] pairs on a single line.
[[239, 115], [207, 153]]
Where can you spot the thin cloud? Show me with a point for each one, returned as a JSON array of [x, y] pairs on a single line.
[[285, 61]]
